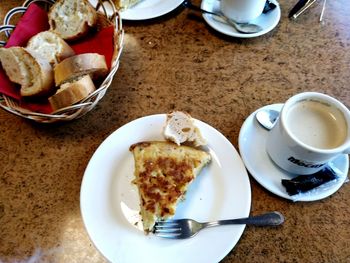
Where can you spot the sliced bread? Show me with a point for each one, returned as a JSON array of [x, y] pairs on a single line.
[[29, 69], [79, 65], [16, 69], [124, 4], [71, 19], [70, 93], [180, 128], [51, 46]]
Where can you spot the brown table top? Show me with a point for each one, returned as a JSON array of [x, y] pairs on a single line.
[[179, 62]]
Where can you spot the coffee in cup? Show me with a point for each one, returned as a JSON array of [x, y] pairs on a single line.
[[317, 124], [313, 128], [242, 11]]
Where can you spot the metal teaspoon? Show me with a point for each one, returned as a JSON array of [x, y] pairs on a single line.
[[267, 118]]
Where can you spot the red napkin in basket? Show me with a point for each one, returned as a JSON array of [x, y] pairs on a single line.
[[35, 20]]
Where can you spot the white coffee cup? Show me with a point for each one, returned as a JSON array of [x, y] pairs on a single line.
[[313, 128], [242, 11]]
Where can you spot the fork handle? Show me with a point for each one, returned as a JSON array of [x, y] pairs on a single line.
[[268, 219]]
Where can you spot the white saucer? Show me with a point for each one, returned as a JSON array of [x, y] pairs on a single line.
[[252, 139], [266, 21]]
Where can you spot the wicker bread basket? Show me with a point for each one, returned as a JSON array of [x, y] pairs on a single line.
[[77, 110]]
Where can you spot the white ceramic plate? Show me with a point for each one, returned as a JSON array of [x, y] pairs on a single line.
[[252, 140], [146, 9], [267, 21], [110, 205]]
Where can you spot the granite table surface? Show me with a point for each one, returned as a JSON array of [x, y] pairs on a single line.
[[178, 62]]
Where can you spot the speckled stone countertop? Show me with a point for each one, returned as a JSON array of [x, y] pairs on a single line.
[[179, 62]]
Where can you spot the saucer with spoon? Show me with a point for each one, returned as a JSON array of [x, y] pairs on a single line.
[[266, 21], [252, 148], [244, 28]]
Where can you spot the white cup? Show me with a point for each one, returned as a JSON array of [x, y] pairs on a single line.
[[242, 11], [313, 128]]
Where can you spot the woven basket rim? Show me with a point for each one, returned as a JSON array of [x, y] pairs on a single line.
[[84, 106]]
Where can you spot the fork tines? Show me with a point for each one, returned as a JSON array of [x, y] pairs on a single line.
[[168, 229]]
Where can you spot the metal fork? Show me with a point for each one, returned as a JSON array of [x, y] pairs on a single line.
[[184, 228]]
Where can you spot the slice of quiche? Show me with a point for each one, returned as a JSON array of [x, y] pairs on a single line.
[[163, 172]]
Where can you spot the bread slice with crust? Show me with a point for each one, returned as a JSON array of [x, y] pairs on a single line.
[[51, 46], [71, 19], [72, 92], [28, 69], [163, 173], [88, 63], [124, 4], [16, 69], [180, 128]]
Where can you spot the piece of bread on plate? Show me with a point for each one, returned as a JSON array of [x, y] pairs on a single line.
[[124, 4], [51, 46], [180, 128], [163, 173], [71, 19], [72, 92], [28, 69], [89, 63]]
